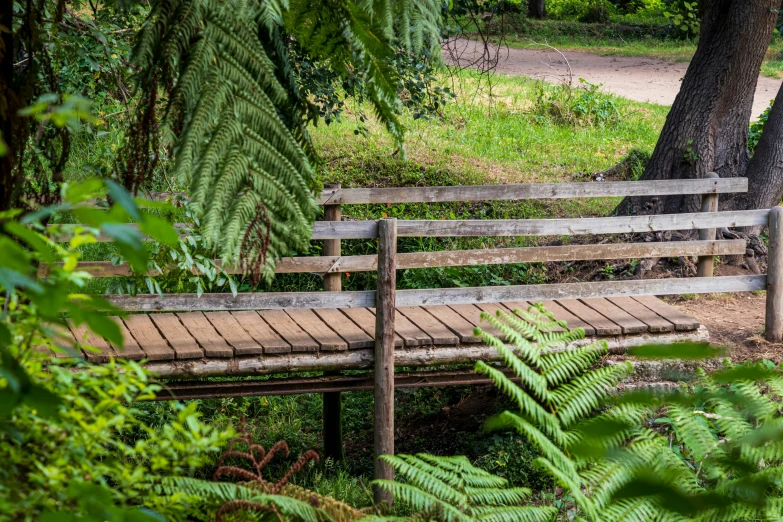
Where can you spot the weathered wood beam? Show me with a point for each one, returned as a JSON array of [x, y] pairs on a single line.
[[530, 227], [531, 191], [383, 390], [774, 287], [364, 359], [544, 292], [439, 296], [335, 264], [709, 203]]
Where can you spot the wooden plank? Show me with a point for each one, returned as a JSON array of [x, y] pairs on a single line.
[[385, 325], [416, 357], [454, 322], [472, 314], [507, 192], [344, 230], [178, 337], [263, 334], [332, 411], [492, 309], [248, 301], [410, 334], [709, 203], [680, 321], [655, 323], [572, 321], [598, 322], [347, 329], [326, 338], [202, 330], [429, 324], [523, 306], [233, 333], [131, 349], [488, 256], [773, 318], [146, 334], [364, 318], [577, 226], [84, 336], [629, 323], [558, 291], [334, 195], [289, 330]]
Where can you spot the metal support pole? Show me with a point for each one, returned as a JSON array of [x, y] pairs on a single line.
[[774, 314], [709, 203], [332, 401], [384, 353]]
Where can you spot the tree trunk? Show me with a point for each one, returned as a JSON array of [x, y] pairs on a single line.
[[536, 9], [765, 170], [707, 127], [9, 184]]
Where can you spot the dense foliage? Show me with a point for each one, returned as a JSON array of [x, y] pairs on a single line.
[[72, 442], [237, 116]]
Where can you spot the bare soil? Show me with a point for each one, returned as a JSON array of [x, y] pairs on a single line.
[[734, 321], [636, 78]]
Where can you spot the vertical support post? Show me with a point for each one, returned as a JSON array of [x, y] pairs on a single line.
[[384, 353], [774, 314], [709, 203], [332, 401]]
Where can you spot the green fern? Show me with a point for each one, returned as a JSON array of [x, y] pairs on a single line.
[[217, 493], [722, 458], [590, 451], [452, 489], [235, 118]]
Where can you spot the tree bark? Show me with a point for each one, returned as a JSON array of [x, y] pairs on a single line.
[[536, 9], [9, 184], [707, 127], [765, 170]]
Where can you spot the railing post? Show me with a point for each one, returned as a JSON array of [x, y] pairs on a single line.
[[332, 401], [709, 203], [774, 314], [384, 353]]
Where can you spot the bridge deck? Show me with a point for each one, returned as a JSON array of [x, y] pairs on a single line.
[[267, 334]]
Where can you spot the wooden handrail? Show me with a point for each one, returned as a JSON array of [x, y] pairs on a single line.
[[490, 256], [508, 192], [438, 296], [323, 230]]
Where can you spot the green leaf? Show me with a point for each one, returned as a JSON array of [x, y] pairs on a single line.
[[5, 336], [682, 350], [84, 190], [123, 198], [32, 238], [744, 372], [159, 229]]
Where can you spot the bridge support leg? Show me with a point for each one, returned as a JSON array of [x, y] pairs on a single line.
[[332, 406], [709, 203], [384, 353], [774, 314]]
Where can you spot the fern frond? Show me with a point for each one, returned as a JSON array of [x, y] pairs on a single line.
[[420, 500], [576, 399]]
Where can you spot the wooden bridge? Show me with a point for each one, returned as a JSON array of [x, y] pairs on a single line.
[[253, 334]]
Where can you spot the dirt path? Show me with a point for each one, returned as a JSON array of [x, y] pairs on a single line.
[[640, 79]]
